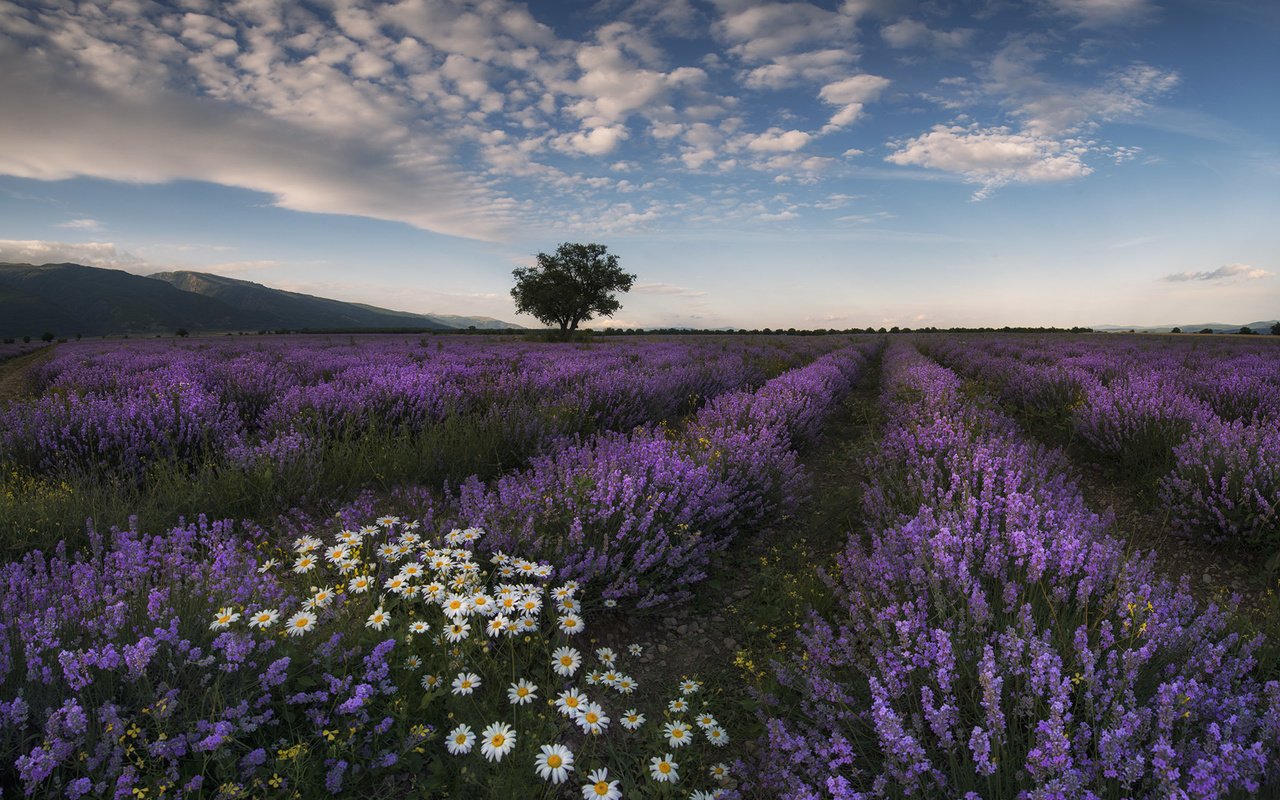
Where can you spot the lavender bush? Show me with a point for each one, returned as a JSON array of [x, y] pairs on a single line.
[[1225, 485], [643, 513], [993, 641], [376, 661]]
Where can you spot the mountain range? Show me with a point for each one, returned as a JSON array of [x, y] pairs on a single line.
[[1261, 326], [70, 299]]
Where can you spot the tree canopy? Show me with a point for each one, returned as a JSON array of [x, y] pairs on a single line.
[[574, 285]]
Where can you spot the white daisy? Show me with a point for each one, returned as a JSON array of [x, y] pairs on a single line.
[[565, 661], [626, 684], [606, 656], [570, 703], [418, 626], [593, 720], [572, 624], [554, 763], [305, 563], [600, 787], [717, 736], [466, 683], [301, 622], [319, 599], [719, 771], [663, 769], [223, 618], [522, 693], [457, 631], [496, 625], [632, 719], [499, 738], [378, 619], [678, 733], [264, 618], [460, 740], [268, 565]]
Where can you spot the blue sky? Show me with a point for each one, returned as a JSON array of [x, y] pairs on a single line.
[[779, 164]]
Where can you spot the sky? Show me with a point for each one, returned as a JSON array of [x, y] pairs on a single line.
[[826, 164]]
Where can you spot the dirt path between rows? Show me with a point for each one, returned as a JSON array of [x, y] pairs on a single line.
[[16, 379]]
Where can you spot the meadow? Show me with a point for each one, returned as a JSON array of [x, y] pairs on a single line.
[[806, 567]]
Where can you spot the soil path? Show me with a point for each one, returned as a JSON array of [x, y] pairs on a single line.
[[16, 379]]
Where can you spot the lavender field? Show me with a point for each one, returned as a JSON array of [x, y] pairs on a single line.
[[795, 567]]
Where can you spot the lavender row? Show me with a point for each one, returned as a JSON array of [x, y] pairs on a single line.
[[206, 662], [641, 514], [112, 679], [113, 410], [1219, 476], [993, 641]]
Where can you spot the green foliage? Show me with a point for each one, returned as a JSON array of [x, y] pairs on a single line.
[[573, 286]]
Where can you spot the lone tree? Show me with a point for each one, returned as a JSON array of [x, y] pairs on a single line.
[[572, 286]]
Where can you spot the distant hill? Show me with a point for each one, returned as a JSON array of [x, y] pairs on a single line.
[[67, 299], [1262, 326]]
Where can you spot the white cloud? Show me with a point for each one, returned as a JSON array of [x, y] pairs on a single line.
[[913, 33], [109, 96], [1223, 274], [781, 216], [1104, 13], [667, 289], [759, 32], [811, 67], [596, 141], [991, 157], [81, 224], [1052, 108], [94, 254], [851, 94], [776, 140]]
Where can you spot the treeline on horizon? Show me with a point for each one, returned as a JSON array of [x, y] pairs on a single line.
[[587, 333]]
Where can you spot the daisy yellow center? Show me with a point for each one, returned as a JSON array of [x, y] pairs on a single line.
[[677, 734], [565, 661], [498, 740], [592, 718], [466, 684], [224, 618], [264, 617], [571, 702], [569, 623], [461, 739], [664, 767], [522, 692], [302, 623], [602, 788], [554, 761]]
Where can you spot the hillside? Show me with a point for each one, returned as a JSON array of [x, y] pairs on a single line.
[[70, 299], [66, 299]]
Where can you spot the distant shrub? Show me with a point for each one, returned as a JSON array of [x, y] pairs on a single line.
[[1225, 485]]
